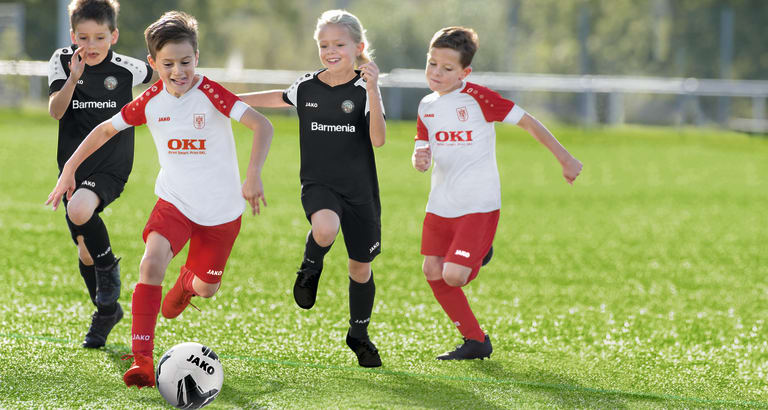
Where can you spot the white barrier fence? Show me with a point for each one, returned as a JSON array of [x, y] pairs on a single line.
[[615, 87]]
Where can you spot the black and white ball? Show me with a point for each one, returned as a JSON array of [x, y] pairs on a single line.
[[189, 375]]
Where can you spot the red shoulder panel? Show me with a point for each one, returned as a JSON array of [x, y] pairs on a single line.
[[421, 130], [494, 106], [133, 112], [220, 97]]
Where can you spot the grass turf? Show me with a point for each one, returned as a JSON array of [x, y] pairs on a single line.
[[644, 285]]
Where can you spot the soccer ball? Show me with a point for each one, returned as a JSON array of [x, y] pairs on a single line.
[[189, 375]]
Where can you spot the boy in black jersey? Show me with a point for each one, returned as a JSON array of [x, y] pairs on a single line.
[[341, 119], [89, 83]]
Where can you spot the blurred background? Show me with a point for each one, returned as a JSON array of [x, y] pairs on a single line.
[[590, 62]]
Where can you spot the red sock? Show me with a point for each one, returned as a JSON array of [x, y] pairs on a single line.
[[145, 305], [186, 280], [455, 304]]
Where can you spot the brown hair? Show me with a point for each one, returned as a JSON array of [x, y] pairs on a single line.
[[100, 11], [462, 39], [171, 27]]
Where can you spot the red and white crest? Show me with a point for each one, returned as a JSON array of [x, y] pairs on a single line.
[[462, 113], [199, 121]]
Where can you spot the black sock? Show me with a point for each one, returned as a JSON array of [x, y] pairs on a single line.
[[360, 307], [314, 253], [96, 240], [89, 276]]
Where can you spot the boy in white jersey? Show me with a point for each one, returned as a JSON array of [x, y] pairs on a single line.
[[200, 196], [455, 128]]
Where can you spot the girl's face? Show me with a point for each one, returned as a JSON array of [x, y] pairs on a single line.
[[444, 71], [175, 64], [95, 38], [338, 52]]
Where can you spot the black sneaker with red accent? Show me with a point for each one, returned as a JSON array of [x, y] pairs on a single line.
[[470, 349]]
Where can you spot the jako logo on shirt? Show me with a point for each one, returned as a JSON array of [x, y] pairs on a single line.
[[79, 105], [332, 128], [185, 146], [163, 119], [454, 136], [462, 253], [311, 104]]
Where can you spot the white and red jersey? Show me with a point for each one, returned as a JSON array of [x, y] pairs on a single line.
[[459, 129], [193, 136]]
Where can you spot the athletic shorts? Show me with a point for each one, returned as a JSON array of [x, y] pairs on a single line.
[[463, 240], [209, 246], [360, 223], [106, 186]]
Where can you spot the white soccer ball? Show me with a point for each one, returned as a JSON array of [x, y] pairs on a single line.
[[189, 375]]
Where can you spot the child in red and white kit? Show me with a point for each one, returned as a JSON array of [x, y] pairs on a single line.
[[455, 129], [200, 196]]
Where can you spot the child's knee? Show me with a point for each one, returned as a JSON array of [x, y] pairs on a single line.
[[79, 214], [432, 270], [324, 234], [152, 269], [206, 290], [455, 277]]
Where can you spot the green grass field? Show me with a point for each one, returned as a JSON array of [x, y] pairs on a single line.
[[644, 285]]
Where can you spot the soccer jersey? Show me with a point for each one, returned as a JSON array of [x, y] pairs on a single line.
[[334, 139], [100, 93], [195, 146], [459, 129]]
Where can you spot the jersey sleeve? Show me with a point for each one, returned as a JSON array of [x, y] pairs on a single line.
[[422, 134], [495, 107], [515, 115], [140, 71], [58, 71], [224, 100], [291, 94], [134, 113]]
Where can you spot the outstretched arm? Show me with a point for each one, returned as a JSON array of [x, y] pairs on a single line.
[[265, 99], [253, 189], [66, 183], [571, 166]]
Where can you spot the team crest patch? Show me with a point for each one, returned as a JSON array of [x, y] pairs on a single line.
[[110, 83], [199, 121], [347, 106], [462, 113]]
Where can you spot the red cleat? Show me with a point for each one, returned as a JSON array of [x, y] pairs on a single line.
[[141, 373], [177, 299]]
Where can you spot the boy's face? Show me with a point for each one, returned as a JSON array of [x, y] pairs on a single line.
[[444, 71], [175, 64], [336, 48], [95, 38]]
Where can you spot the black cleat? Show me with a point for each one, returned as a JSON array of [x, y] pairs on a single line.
[[101, 325], [305, 288], [470, 349], [108, 284], [488, 256], [367, 354]]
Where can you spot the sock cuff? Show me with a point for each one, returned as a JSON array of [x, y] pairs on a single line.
[[370, 281], [146, 299], [311, 242]]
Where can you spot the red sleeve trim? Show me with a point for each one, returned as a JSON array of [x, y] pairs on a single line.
[[133, 112], [494, 106], [220, 97], [421, 131]]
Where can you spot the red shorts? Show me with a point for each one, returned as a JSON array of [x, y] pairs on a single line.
[[209, 246], [463, 240]]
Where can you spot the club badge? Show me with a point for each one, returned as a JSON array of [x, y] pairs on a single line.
[[110, 83], [347, 106], [199, 121], [461, 112]]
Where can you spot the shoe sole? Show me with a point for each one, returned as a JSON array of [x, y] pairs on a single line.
[[138, 380]]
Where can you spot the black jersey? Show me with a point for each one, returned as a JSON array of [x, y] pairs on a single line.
[[99, 94], [336, 149]]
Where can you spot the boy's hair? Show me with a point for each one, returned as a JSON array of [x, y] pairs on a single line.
[[171, 27], [100, 11], [462, 39], [353, 26]]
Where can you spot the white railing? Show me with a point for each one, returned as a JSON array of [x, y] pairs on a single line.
[[614, 86]]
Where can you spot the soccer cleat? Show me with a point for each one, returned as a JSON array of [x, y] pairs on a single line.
[[470, 349], [177, 299], [367, 354], [101, 325], [305, 288], [141, 373], [488, 256], [108, 284]]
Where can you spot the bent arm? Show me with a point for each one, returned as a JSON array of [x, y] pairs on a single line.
[[378, 127], [264, 99], [58, 102]]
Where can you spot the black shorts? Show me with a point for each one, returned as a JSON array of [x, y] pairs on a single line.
[[360, 223], [106, 186]]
